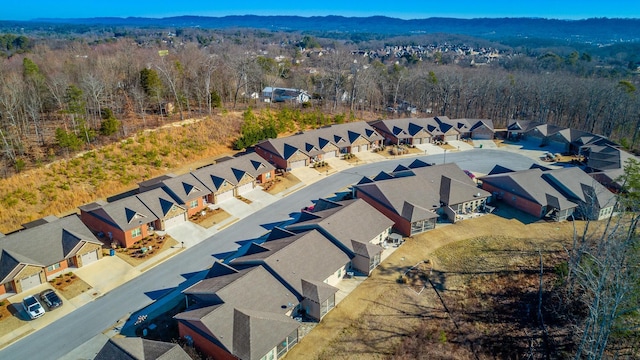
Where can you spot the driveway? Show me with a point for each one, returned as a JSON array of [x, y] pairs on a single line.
[[184, 269]]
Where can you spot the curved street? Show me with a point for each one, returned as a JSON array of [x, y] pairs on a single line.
[[71, 331]]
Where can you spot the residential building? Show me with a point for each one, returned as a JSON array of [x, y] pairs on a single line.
[[353, 225], [416, 196], [43, 250], [140, 349], [307, 147], [557, 194]]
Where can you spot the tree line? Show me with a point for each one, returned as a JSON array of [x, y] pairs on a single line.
[[69, 94]]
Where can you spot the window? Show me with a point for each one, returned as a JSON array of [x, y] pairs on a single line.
[[136, 232], [193, 204], [267, 175], [53, 267]]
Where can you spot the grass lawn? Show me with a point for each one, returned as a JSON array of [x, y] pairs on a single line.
[[281, 183], [69, 285], [211, 217], [468, 260]]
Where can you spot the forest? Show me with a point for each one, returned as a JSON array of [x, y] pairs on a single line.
[[75, 104], [62, 93]]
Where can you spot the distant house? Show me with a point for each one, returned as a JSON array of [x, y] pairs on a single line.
[[44, 249], [140, 349], [416, 196], [277, 94], [557, 194], [516, 129]]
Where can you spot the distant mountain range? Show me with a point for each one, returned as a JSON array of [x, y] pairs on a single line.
[[596, 30]]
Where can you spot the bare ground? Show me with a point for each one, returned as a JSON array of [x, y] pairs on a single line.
[[382, 317]]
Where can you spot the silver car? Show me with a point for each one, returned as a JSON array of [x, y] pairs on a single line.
[[32, 307]]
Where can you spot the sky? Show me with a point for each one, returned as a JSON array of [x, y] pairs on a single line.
[[556, 9]]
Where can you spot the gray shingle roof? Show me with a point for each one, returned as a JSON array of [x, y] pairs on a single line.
[[415, 194], [257, 332], [185, 188], [530, 185], [125, 214], [43, 245], [348, 220], [140, 349], [577, 184], [309, 255], [252, 333], [311, 142], [159, 201]]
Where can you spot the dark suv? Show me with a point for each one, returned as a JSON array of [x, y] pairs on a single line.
[[51, 299]]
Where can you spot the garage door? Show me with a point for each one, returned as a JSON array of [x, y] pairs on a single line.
[[481, 136], [329, 155], [451, 137], [245, 188], [30, 282], [297, 164], [364, 147], [224, 196], [176, 220], [89, 257], [355, 149]]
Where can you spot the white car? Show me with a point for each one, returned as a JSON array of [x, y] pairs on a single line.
[[32, 307]]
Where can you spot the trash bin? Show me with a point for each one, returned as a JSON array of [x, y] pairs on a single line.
[[112, 252], [480, 146]]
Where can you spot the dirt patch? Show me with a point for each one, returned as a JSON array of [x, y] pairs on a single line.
[[4, 309], [477, 257], [69, 285], [154, 245], [281, 183], [210, 218]]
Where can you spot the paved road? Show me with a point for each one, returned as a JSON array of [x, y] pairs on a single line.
[[71, 331]]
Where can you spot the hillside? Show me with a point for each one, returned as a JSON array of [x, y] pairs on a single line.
[[600, 30]]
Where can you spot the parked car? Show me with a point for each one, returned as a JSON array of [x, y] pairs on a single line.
[[51, 299], [32, 307]]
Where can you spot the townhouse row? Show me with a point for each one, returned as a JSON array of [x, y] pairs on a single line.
[[44, 248]]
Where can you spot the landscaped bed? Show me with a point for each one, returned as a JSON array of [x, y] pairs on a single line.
[[210, 217], [146, 249], [69, 285], [281, 183]]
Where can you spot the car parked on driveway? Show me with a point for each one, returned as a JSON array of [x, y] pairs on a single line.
[[51, 299], [32, 307]]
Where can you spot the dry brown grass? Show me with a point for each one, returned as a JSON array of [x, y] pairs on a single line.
[[59, 188], [281, 183], [70, 285], [381, 313], [211, 218]]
